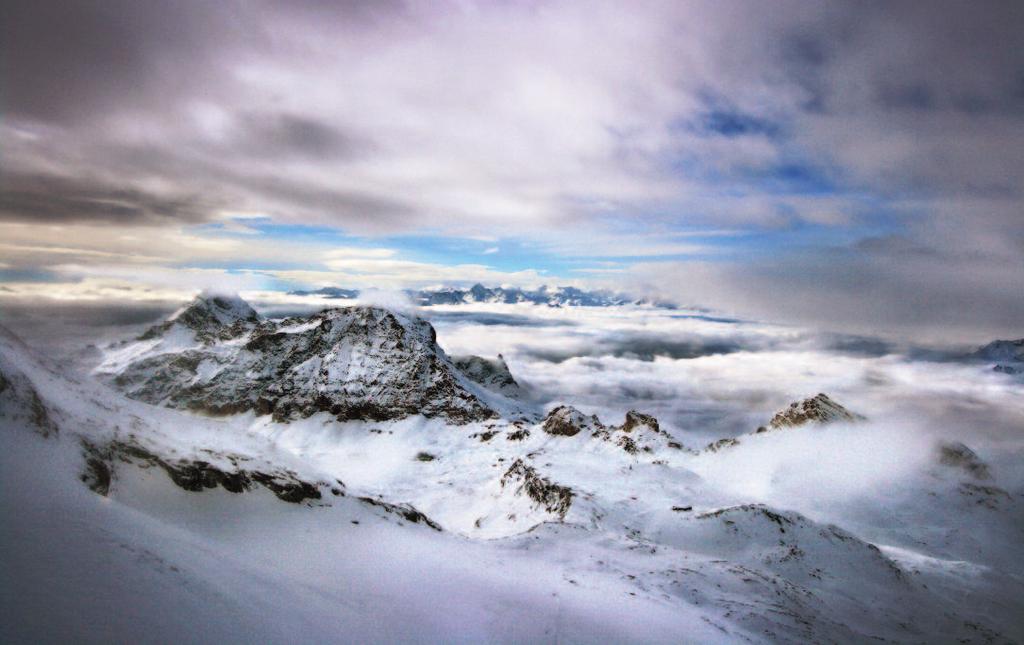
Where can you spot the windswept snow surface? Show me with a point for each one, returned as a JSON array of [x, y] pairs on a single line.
[[834, 530]]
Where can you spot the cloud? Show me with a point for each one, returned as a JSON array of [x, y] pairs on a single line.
[[603, 131]]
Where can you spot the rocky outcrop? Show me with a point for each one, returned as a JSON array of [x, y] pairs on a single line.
[[195, 475], [1008, 356], [406, 511], [20, 403], [567, 421], [1002, 351], [957, 455], [210, 317], [721, 444], [638, 433], [352, 362], [492, 374], [526, 480], [817, 409], [820, 409]]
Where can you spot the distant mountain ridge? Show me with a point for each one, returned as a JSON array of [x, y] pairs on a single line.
[[478, 293]]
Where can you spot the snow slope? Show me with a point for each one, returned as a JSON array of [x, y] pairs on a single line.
[[568, 528]]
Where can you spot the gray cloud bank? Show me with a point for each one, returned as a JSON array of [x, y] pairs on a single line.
[[896, 127]]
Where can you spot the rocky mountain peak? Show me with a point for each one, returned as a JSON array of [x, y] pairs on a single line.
[[492, 374], [1003, 351], [215, 310], [817, 409], [360, 362], [957, 455], [567, 421], [208, 316]]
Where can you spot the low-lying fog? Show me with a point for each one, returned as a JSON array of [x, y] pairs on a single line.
[[704, 376]]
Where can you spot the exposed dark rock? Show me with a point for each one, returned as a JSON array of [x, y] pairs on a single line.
[[518, 434], [492, 374], [991, 497], [190, 474], [210, 317], [721, 444], [406, 511], [19, 401], [817, 409], [353, 363], [567, 421], [1002, 351], [425, 456], [97, 474], [636, 419], [958, 455], [551, 497]]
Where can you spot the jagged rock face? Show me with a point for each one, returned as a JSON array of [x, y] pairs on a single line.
[[567, 421], [551, 497], [195, 475], [353, 362], [210, 317], [636, 419], [20, 403], [818, 409], [493, 375], [958, 455], [639, 432]]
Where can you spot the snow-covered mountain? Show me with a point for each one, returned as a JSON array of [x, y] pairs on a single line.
[[478, 293], [219, 357], [322, 515], [1008, 355]]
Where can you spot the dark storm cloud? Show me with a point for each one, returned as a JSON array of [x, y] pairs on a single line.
[[293, 135], [496, 119], [45, 198], [74, 60]]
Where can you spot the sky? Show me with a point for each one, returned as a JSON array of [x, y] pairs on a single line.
[[848, 165]]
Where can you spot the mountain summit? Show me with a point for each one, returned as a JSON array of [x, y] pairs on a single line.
[[351, 362]]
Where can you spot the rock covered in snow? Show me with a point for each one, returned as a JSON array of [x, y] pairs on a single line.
[[817, 409], [492, 374], [550, 497], [567, 421], [20, 403], [639, 432], [352, 362], [1008, 356], [820, 409], [210, 317], [1003, 351]]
